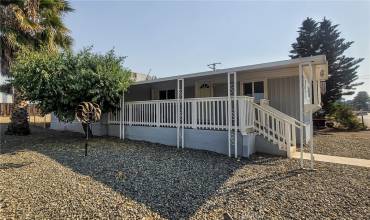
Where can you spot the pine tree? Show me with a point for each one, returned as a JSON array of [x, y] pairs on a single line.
[[326, 40], [342, 69], [361, 101], [307, 42]]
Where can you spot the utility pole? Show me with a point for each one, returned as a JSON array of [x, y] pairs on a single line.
[[212, 66]]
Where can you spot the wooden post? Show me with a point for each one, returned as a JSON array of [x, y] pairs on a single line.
[[129, 114], [194, 114], [123, 115], [229, 114], [288, 138], [301, 111], [120, 119], [157, 114], [235, 117]]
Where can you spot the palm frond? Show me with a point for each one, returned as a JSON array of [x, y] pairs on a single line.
[[32, 24]]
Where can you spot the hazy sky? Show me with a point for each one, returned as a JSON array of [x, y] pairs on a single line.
[[178, 37]]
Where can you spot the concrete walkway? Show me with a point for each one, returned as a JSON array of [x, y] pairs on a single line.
[[334, 159]]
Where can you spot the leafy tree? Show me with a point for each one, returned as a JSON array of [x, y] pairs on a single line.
[[31, 24], [58, 82], [324, 38], [361, 101]]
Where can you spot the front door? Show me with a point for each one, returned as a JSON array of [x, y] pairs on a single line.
[[205, 90]]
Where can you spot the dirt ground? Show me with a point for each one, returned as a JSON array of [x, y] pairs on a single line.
[[344, 144]]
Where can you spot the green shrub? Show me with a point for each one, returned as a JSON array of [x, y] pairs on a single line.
[[344, 115], [59, 82]]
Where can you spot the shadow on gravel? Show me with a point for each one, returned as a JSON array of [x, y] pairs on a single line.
[[264, 181], [6, 166], [266, 161], [174, 183]]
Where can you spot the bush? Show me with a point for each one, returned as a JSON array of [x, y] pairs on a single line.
[[343, 115]]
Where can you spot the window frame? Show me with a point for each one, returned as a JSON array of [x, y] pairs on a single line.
[[166, 90], [265, 86]]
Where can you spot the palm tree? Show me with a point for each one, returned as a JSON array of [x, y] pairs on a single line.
[[31, 24]]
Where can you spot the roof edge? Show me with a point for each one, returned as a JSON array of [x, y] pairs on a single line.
[[319, 59]]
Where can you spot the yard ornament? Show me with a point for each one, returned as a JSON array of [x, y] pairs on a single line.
[[86, 113]]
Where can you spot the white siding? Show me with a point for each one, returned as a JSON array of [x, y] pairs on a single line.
[[283, 94]]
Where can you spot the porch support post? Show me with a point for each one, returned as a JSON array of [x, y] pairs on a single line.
[[121, 117], [235, 118], [311, 117], [228, 114], [232, 113], [180, 113], [301, 111]]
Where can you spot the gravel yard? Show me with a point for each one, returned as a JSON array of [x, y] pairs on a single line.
[[344, 144], [45, 175]]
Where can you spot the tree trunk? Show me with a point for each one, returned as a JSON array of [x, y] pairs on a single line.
[[19, 124], [87, 129]]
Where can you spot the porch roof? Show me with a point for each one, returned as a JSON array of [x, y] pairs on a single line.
[[320, 59]]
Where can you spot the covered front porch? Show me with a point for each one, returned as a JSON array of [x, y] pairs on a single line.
[[237, 111]]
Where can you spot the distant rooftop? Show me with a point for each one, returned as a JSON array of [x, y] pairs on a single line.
[[138, 77]]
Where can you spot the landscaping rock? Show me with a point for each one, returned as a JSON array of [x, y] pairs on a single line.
[[46, 176]]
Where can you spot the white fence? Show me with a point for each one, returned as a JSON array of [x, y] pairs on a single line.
[[199, 113]]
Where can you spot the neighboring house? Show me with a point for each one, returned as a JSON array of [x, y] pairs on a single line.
[[5, 97], [236, 111], [136, 77]]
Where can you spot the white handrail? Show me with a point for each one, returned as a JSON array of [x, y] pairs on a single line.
[[287, 117], [281, 115]]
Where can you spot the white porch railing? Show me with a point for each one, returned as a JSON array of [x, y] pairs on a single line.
[[275, 128], [199, 113], [212, 113]]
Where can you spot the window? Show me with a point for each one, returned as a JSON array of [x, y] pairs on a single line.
[[167, 94], [254, 89], [248, 89], [163, 94], [204, 86], [171, 94], [259, 90]]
